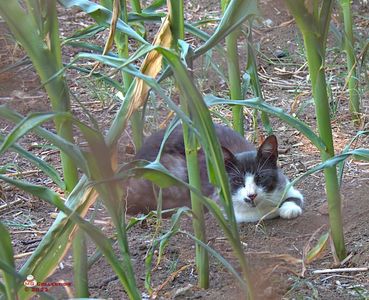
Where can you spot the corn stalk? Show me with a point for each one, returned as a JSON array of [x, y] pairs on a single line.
[[313, 21], [191, 150], [352, 78], [234, 75], [252, 69]]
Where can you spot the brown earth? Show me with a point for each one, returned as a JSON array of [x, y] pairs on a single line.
[[274, 248]]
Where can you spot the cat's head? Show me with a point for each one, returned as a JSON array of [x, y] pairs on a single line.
[[254, 175]]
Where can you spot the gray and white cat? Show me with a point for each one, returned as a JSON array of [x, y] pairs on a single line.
[[257, 183]]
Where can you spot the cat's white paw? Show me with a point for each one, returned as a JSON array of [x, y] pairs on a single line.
[[290, 210]]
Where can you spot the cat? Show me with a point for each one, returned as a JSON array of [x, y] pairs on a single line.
[[257, 183]]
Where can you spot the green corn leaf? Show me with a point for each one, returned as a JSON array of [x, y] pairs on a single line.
[[86, 46], [39, 271], [93, 137], [236, 13], [36, 29], [2, 286], [111, 60], [359, 154], [278, 112], [162, 241], [175, 226], [190, 28], [85, 33], [39, 163], [216, 255], [7, 258], [31, 122], [12, 12], [114, 83], [98, 166], [126, 66], [11, 271], [364, 51], [202, 121], [135, 220], [215, 164], [154, 6], [341, 165], [134, 17], [57, 240], [102, 16], [24, 127]]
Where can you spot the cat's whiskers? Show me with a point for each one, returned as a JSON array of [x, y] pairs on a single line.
[[265, 170], [272, 198], [233, 167]]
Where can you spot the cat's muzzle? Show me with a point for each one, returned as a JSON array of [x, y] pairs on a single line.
[[250, 200]]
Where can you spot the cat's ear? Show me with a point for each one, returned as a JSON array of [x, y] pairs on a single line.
[[268, 151], [228, 156]]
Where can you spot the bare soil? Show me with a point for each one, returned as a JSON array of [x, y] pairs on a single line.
[[274, 248]]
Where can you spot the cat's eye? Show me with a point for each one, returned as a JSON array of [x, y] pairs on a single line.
[[259, 178]]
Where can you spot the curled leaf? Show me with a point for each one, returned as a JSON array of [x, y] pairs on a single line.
[[318, 249], [151, 66]]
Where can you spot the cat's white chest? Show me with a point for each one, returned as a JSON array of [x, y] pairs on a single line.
[[254, 214]]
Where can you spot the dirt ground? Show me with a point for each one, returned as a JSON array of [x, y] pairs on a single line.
[[274, 248]]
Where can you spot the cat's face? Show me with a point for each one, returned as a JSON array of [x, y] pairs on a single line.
[[254, 176]]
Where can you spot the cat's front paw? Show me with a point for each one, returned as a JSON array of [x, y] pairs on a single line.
[[290, 210]]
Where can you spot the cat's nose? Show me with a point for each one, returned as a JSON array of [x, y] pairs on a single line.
[[252, 197]]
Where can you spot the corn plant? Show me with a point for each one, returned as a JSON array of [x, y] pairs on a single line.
[[234, 75], [252, 70], [120, 9], [38, 34], [313, 19], [352, 78], [191, 146]]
